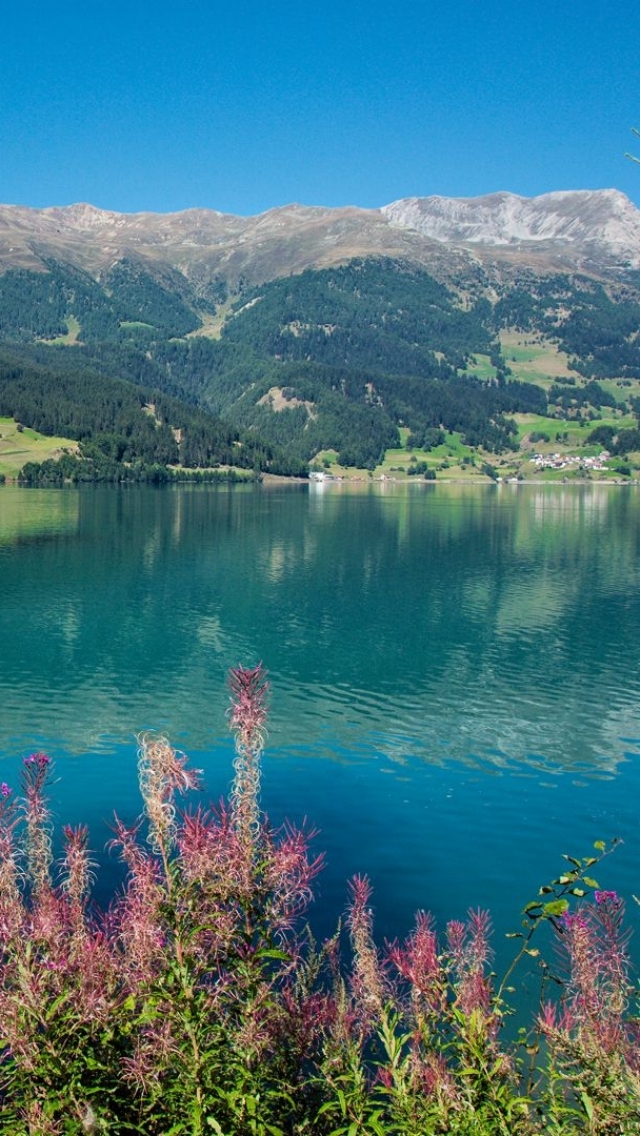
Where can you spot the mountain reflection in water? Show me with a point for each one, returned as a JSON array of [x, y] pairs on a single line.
[[429, 647]]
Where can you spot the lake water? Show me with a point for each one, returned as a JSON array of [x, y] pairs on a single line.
[[454, 669]]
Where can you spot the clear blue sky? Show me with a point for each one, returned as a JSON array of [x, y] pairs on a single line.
[[243, 106]]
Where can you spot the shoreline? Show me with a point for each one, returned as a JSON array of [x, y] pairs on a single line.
[[361, 479]]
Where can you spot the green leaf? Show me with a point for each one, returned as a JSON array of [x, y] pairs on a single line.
[[326, 1107], [588, 1106], [555, 907], [590, 882], [600, 845], [376, 1127]]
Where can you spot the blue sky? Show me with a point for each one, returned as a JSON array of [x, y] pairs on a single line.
[[245, 106]]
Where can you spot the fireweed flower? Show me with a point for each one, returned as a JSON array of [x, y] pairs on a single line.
[[41, 760], [288, 874], [470, 952], [211, 853], [36, 769], [136, 918], [367, 978], [418, 962], [248, 716], [11, 906], [77, 868], [162, 772], [594, 946], [604, 897], [5, 791]]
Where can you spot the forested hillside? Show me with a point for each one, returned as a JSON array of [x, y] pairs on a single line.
[[128, 304], [125, 431], [600, 333], [146, 368]]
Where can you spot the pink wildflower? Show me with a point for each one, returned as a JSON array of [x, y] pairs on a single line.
[[136, 918], [249, 689], [211, 852], [435, 1077], [417, 961], [367, 977], [470, 952], [77, 880], [595, 946], [552, 1021], [36, 812], [288, 874], [607, 897], [162, 773], [248, 716], [11, 904], [40, 759]]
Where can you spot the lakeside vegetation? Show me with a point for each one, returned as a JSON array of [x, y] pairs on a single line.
[[19, 445], [200, 1002]]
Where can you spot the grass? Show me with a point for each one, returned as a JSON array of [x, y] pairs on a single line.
[[576, 431], [212, 324], [73, 331], [530, 359], [481, 368], [20, 446], [534, 359], [453, 460], [397, 461], [448, 460]]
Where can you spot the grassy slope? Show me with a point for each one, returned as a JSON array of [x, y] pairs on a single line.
[[18, 447], [534, 359]]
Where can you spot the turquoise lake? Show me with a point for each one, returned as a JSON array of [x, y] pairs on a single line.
[[454, 669]]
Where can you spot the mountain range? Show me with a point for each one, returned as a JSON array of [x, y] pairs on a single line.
[[578, 229], [319, 328]]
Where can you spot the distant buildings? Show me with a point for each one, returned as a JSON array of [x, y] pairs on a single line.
[[567, 461]]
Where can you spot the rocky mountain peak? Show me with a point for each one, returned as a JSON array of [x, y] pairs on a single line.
[[580, 217]]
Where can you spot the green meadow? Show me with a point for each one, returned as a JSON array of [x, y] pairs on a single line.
[[19, 445]]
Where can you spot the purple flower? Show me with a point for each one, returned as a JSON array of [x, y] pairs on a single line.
[[607, 897], [40, 759]]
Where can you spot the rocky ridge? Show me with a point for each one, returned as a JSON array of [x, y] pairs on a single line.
[[596, 231]]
